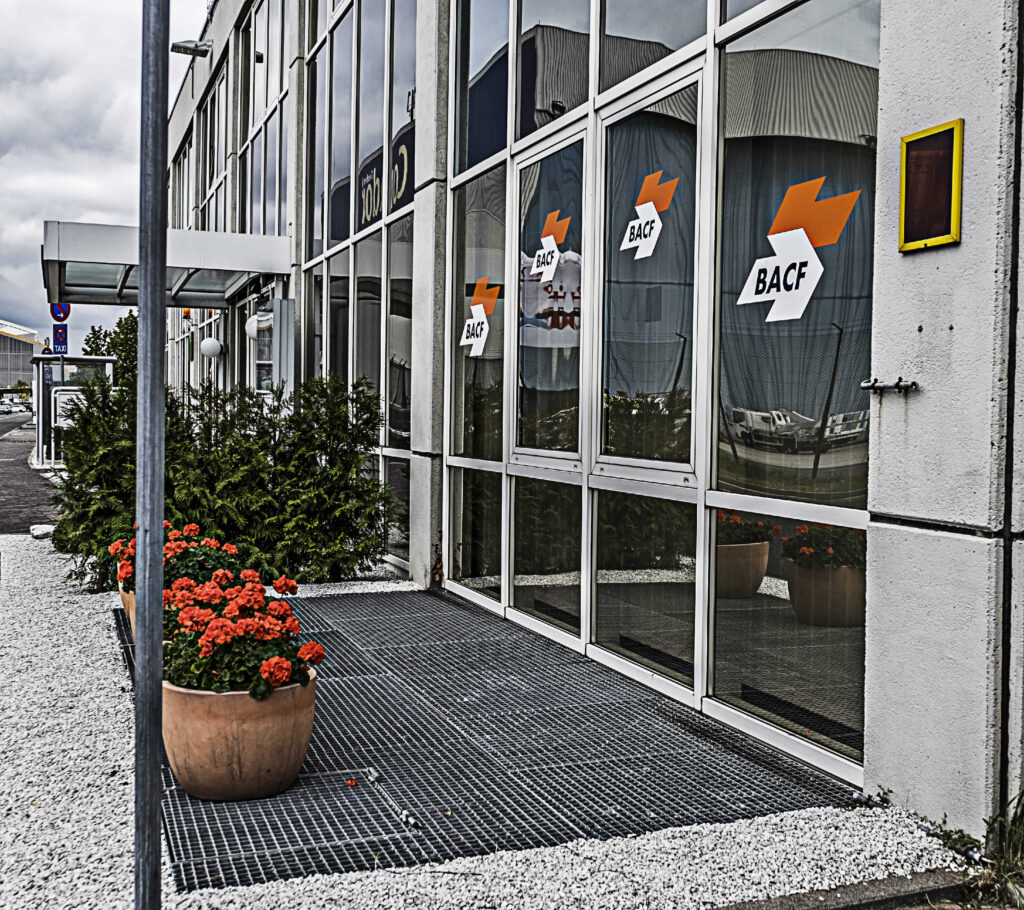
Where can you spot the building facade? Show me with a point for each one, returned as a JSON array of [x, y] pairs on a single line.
[[618, 271], [18, 345]]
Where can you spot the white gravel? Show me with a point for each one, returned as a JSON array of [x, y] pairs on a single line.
[[66, 803]]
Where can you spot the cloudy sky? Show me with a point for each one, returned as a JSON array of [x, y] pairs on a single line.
[[69, 133]]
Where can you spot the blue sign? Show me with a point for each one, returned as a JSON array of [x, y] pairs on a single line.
[[47, 374], [60, 311], [60, 339]]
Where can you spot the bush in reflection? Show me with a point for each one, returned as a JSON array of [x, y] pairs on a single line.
[[648, 426], [825, 545], [640, 532]]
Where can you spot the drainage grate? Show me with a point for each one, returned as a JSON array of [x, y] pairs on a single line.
[[491, 737]]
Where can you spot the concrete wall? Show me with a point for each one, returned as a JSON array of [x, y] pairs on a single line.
[[938, 456]]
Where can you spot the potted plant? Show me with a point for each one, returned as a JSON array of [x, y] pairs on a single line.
[[741, 554], [185, 554], [239, 689], [825, 571]]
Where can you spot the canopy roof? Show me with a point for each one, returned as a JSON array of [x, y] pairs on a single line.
[[98, 264]]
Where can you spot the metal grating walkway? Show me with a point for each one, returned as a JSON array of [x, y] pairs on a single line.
[[467, 734]]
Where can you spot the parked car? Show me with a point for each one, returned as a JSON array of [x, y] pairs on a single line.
[[6, 408]]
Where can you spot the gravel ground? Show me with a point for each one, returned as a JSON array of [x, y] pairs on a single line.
[[66, 802]]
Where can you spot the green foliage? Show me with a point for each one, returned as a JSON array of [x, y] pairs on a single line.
[[123, 343], [295, 488], [644, 532], [733, 528], [648, 426], [96, 342], [1002, 879], [825, 545]]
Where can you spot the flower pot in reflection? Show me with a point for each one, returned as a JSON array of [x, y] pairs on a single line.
[[740, 568], [826, 595]]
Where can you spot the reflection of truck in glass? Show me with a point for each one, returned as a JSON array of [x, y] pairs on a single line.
[[793, 432]]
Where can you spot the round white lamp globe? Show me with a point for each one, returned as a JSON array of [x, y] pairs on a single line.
[[210, 347]]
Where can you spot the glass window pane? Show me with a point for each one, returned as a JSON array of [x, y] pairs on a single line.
[[256, 205], [550, 300], [341, 131], [795, 325], [554, 60], [789, 626], [367, 331], [312, 309], [273, 50], [479, 271], [546, 563], [372, 108], [646, 566], [735, 7], [481, 93], [259, 62], [648, 282], [270, 182], [403, 104], [476, 531], [399, 340], [316, 76], [337, 315], [396, 475], [633, 37], [282, 202], [243, 192]]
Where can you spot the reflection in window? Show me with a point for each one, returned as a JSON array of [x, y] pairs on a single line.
[[313, 337], [648, 288], [550, 300], [367, 331], [554, 60], [341, 130], [316, 76], [399, 339], [479, 271], [793, 421], [735, 7], [789, 626], [264, 360], [401, 184], [646, 552], [256, 186], [270, 181], [634, 37], [337, 315], [476, 530], [546, 564], [396, 476], [372, 107], [481, 93]]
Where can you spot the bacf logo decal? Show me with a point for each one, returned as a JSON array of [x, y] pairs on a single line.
[[802, 224], [481, 306], [545, 260], [642, 233]]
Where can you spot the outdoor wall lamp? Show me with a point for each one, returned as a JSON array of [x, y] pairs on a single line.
[[211, 347], [192, 48], [256, 322]]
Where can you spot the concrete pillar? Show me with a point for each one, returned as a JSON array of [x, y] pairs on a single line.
[[938, 456], [428, 289]]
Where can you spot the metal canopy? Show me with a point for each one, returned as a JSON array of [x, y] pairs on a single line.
[[98, 264]]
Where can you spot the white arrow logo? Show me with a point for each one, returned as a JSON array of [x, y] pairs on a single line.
[[788, 278], [476, 331], [545, 260], [643, 232]]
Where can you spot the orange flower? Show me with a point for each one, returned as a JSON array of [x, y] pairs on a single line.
[[279, 609], [222, 577], [191, 530], [831, 552], [231, 610], [195, 619], [230, 548], [291, 624], [210, 543], [285, 585], [124, 570], [801, 529], [167, 524], [311, 652], [209, 593], [721, 514], [250, 575], [776, 530], [115, 547], [276, 671], [174, 534], [736, 519], [807, 551]]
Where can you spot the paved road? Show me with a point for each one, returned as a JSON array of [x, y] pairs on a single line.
[[24, 493]]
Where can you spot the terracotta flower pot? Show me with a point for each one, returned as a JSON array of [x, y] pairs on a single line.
[[740, 568], [826, 596], [128, 603], [229, 746]]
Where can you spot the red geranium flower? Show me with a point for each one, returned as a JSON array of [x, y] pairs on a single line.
[[191, 530], [230, 548], [276, 671], [250, 575], [311, 652], [285, 585]]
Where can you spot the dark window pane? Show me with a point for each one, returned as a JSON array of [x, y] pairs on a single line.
[[546, 565], [270, 182], [789, 626], [554, 60], [282, 217], [396, 475], [481, 93], [646, 563], [634, 37], [367, 331], [317, 19], [479, 268], [341, 131], [648, 286], [476, 531], [256, 206], [259, 62], [403, 104], [312, 316], [399, 376], [316, 83], [550, 300], [372, 107], [337, 315], [801, 97]]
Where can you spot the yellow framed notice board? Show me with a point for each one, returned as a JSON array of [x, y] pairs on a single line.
[[931, 182]]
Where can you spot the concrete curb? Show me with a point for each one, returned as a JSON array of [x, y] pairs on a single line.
[[881, 894]]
